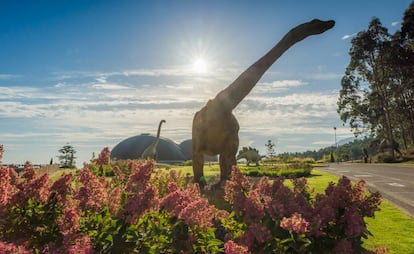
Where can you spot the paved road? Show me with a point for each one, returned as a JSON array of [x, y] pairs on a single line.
[[394, 182]]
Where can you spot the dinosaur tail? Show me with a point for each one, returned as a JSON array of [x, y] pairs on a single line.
[[232, 95]]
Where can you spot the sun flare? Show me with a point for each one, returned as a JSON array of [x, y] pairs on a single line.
[[200, 65]]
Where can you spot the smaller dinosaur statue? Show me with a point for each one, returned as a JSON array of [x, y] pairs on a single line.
[[250, 154], [384, 145], [150, 153]]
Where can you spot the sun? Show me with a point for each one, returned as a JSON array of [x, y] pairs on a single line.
[[200, 65]]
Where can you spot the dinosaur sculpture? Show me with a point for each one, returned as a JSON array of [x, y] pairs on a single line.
[[250, 154], [215, 129], [150, 153], [384, 145]]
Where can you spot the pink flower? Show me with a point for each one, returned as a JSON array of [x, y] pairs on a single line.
[[14, 177], [104, 158], [236, 190], [255, 236], [280, 201], [254, 208], [114, 200], [69, 222], [82, 245], [189, 206], [119, 175], [10, 248], [93, 194], [140, 177], [231, 247], [142, 196], [28, 171], [198, 213], [36, 188], [5, 187], [139, 203], [237, 185], [345, 205], [381, 250], [295, 223]]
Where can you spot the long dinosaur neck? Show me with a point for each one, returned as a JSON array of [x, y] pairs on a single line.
[[231, 96], [159, 130]]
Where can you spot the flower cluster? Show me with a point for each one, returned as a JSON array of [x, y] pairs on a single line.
[[93, 194], [142, 196], [31, 186], [104, 157], [233, 248], [62, 187], [295, 223], [10, 248], [188, 205]]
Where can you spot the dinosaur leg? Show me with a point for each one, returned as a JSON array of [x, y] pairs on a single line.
[[227, 160], [198, 163]]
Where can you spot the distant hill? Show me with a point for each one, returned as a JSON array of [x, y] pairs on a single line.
[[347, 140], [348, 149]]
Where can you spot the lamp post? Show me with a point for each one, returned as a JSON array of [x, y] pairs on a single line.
[[336, 145]]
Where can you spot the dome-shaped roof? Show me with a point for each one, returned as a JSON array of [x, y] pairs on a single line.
[[187, 149], [133, 147]]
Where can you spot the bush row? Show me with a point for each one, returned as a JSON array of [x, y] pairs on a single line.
[[144, 210]]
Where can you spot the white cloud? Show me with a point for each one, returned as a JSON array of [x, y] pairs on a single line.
[[395, 23], [325, 76], [8, 76], [96, 109], [277, 86], [347, 36], [106, 86], [101, 79]]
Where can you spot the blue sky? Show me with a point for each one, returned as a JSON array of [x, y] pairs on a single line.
[[92, 73]]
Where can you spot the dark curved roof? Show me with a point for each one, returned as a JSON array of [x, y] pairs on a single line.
[[133, 147], [187, 149]]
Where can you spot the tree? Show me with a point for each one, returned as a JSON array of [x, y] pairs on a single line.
[[405, 68], [67, 158], [377, 94], [270, 149], [366, 96]]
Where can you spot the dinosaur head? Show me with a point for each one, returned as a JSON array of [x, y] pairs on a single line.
[[317, 26]]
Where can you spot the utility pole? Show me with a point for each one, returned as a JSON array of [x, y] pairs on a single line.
[[336, 145]]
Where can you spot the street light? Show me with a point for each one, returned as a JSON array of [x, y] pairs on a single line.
[[336, 145]]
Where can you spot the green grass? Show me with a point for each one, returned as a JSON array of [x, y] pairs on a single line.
[[55, 175], [209, 170], [391, 228]]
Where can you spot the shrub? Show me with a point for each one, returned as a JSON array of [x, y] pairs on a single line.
[[289, 173], [146, 211]]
